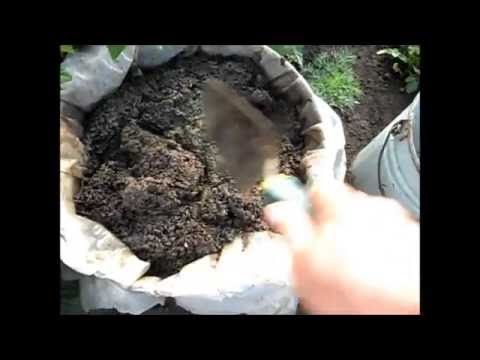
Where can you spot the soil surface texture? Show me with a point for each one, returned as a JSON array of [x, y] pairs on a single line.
[[152, 178]]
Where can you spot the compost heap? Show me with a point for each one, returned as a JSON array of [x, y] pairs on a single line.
[[151, 177]]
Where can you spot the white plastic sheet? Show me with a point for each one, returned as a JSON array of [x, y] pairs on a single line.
[[251, 279], [150, 56], [94, 75]]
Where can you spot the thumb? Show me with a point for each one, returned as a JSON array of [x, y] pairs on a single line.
[[290, 220]]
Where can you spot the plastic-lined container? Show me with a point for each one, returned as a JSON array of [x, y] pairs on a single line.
[[241, 279]]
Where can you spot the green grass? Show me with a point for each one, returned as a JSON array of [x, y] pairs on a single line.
[[332, 77]]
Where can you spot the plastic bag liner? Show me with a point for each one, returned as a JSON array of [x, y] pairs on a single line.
[[255, 279]]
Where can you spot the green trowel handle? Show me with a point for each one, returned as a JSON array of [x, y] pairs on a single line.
[[285, 188]]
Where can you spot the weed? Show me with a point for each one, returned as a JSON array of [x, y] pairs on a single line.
[[332, 77], [406, 64]]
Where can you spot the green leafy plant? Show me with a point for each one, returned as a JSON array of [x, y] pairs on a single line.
[[333, 78], [406, 64], [67, 49], [292, 53], [64, 75], [114, 50]]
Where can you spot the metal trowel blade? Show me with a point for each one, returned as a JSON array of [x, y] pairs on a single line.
[[246, 139]]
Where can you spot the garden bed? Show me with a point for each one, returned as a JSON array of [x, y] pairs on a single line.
[[381, 100], [152, 177]]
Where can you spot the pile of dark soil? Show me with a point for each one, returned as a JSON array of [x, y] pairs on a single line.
[[152, 177]]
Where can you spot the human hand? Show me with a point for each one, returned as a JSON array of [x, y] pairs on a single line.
[[357, 254]]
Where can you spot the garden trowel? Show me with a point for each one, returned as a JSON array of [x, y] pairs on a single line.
[[248, 143]]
